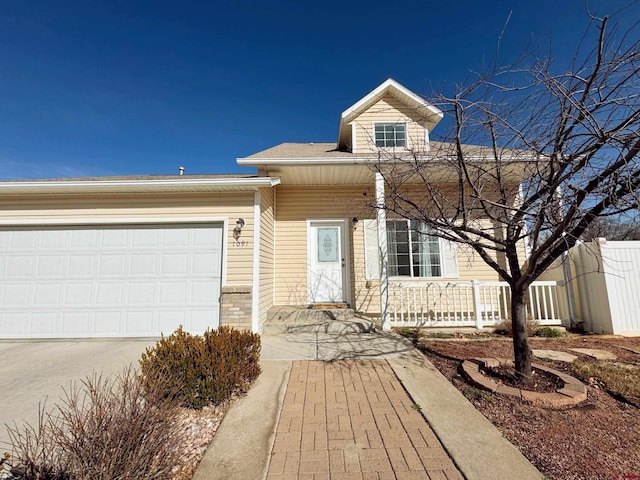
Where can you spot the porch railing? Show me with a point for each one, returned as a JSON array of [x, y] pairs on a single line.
[[467, 304]]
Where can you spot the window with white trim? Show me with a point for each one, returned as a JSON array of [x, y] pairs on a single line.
[[390, 135], [412, 251]]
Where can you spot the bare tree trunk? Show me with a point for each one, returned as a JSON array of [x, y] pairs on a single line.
[[521, 348]]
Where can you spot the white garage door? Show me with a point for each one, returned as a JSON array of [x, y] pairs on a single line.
[[109, 281]]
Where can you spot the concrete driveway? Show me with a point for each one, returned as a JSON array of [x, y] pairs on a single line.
[[34, 371]]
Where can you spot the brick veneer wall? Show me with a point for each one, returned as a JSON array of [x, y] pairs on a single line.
[[236, 307]]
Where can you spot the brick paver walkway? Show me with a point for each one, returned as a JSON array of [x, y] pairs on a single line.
[[353, 420]]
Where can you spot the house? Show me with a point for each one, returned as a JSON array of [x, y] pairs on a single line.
[[137, 256]]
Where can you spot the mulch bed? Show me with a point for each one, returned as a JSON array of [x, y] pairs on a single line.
[[597, 439]]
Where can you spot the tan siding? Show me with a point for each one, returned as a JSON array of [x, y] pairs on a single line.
[[267, 247], [146, 207], [296, 205], [389, 109]]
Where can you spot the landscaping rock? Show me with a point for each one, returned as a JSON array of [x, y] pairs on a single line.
[[554, 355], [629, 348], [595, 353]]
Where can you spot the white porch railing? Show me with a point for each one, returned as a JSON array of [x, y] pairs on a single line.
[[467, 304]]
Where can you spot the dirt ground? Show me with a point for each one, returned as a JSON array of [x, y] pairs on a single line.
[[597, 439]]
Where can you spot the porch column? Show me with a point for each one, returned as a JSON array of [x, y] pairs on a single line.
[[381, 219]]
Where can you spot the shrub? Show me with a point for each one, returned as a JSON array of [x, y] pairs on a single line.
[[549, 332], [199, 370], [411, 333], [104, 429], [506, 328]]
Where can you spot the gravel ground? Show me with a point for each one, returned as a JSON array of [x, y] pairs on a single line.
[[196, 428], [597, 439]]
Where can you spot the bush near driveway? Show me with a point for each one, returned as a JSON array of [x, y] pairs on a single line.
[[127, 427], [104, 429], [201, 370]]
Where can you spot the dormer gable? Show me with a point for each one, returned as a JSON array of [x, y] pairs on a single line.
[[390, 116]]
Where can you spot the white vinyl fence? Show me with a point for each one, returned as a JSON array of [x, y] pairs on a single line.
[[607, 277], [467, 304]]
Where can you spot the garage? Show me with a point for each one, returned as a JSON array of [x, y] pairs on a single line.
[[109, 280]]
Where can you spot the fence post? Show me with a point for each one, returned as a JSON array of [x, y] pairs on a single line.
[[475, 286]]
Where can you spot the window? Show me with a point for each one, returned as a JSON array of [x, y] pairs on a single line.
[[412, 251], [390, 135]]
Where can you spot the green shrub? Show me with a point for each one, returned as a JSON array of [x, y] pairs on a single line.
[[412, 333], [200, 370], [549, 332]]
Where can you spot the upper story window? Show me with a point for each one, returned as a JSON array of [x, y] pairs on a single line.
[[391, 134]]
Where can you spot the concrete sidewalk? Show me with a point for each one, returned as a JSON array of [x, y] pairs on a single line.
[[356, 418]]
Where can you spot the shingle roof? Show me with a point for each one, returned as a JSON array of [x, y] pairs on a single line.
[[329, 150], [303, 150]]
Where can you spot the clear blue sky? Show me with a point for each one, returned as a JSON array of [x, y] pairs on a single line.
[[141, 87]]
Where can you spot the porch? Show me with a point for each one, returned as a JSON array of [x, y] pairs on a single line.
[[469, 304]]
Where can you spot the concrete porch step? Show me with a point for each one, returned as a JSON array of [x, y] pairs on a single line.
[[324, 320]]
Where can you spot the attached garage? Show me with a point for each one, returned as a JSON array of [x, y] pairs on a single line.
[[109, 280]]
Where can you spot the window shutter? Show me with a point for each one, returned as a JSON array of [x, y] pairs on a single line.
[[371, 250], [449, 258]]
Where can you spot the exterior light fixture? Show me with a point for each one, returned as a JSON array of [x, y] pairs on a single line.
[[354, 222], [238, 230]]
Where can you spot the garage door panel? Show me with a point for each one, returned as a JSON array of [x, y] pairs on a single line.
[[20, 266], [87, 238], [51, 265], [175, 263], [145, 237], [141, 293], [108, 323], [114, 264], [114, 238], [47, 294], [206, 264], [143, 264], [81, 265], [110, 294], [47, 323], [21, 240], [109, 281], [139, 323], [53, 240], [14, 324], [78, 294], [173, 293], [75, 323], [207, 237], [16, 294]]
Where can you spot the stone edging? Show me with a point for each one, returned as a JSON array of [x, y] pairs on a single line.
[[573, 392]]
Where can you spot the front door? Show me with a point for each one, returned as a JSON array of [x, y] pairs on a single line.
[[326, 262]]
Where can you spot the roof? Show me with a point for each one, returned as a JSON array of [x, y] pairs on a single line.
[[325, 152], [301, 150]]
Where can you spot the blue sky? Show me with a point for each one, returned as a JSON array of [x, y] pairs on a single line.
[[131, 87]]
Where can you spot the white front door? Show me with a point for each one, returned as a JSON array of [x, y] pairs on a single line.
[[326, 262]]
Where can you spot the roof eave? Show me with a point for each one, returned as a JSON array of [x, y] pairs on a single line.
[[136, 186], [251, 162]]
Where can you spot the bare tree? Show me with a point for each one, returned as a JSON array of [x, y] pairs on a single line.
[[559, 152], [623, 227]]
